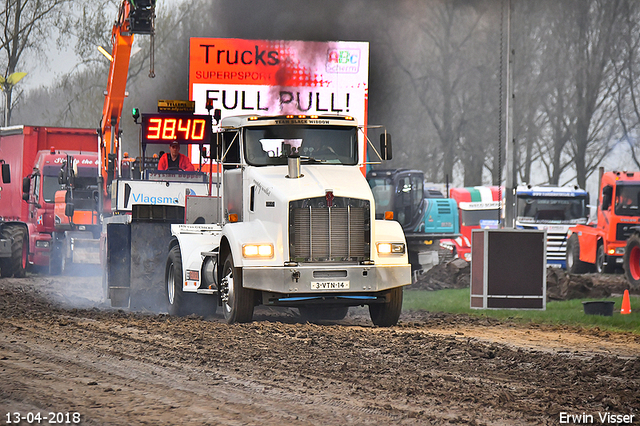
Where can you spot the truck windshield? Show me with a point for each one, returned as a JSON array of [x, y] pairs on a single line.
[[271, 145], [552, 209], [473, 217], [627, 200], [87, 178]]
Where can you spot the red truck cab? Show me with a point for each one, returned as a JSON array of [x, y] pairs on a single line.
[[46, 199], [27, 219]]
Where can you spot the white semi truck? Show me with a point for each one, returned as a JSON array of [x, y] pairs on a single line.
[[554, 209], [290, 222]]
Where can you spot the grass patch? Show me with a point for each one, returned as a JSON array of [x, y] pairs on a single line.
[[567, 312]]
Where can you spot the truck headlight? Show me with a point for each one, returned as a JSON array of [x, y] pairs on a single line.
[[257, 250], [390, 248], [42, 244]]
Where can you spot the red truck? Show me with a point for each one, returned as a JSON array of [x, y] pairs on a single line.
[[478, 207], [600, 246], [38, 163]]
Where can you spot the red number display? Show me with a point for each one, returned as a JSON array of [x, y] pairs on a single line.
[[187, 128]]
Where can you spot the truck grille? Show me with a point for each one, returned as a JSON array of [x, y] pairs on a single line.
[[339, 233], [624, 230], [556, 248]]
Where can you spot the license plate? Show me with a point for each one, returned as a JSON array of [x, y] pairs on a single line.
[[329, 285]]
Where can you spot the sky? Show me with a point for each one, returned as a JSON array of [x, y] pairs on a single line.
[[58, 64]]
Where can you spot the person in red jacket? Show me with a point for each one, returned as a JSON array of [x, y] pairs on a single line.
[[173, 160]]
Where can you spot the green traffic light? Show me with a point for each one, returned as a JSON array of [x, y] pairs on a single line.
[[136, 114]]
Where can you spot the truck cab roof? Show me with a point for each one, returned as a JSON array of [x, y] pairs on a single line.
[[239, 121]]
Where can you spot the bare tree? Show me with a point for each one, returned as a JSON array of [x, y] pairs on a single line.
[[627, 82], [445, 31], [25, 26], [590, 55]]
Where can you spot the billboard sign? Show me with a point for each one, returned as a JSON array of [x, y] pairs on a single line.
[[273, 77]]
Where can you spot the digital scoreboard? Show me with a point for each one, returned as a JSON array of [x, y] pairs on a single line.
[[170, 127]]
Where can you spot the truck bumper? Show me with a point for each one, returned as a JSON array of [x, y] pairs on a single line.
[[326, 279], [85, 251], [40, 247], [81, 247]]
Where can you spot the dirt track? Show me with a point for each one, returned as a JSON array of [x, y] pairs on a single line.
[[61, 350]]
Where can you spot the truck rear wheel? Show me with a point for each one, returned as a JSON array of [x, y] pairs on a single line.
[[574, 264], [237, 301], [182, 303], [16, 265], [386, 314], [173, 273], [631, 261]]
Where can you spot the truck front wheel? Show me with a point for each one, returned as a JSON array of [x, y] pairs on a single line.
[[386, 314], [604, 265], [631, 261], [237, 301], [574, 264]]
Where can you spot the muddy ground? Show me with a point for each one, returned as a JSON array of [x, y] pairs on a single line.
[[62, 350]]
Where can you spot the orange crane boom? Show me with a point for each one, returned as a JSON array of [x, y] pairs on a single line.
[[134, 17]]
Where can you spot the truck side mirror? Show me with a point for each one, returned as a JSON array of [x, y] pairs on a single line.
[[26, 186], [6, 173], [69, 209], [61, 177], [385, 146]]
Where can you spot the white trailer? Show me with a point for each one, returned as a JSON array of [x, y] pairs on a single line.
[[292, 224]]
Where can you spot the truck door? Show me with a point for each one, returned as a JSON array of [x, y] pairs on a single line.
[[31, 194], [410, 194], [232, 178]]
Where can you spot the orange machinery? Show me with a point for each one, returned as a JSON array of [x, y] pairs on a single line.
[[600, 246], [134, 17]]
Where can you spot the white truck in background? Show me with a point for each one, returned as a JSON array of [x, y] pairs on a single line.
[[292, 224], [554, 209]]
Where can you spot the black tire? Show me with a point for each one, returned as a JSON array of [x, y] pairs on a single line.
[[601, 258], [574, 264], [16, 265], [631, 261], [181, 303], [20, 252], [323, 313], [387, 314], [237, 301], [55, 257], [173, 280]]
